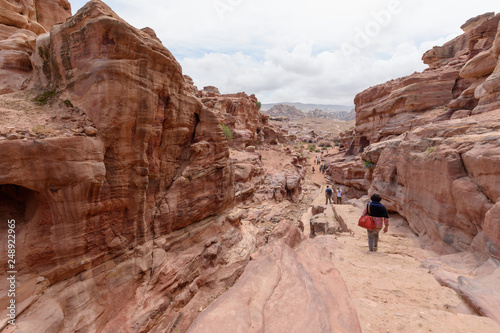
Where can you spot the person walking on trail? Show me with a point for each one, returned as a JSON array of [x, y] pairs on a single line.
[[328, 194], [339, 196], [379, 214], [313, 169]]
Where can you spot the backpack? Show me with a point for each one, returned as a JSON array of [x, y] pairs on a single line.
[[328, 191]]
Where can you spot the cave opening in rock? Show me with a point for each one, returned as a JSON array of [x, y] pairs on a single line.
[[363, 143], [17, 202], [33, 222]]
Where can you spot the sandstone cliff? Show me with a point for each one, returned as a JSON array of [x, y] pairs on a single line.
[[120, 178], [97, 216], [429, 143], [20, 23]]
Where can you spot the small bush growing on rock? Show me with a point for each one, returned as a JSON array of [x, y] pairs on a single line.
[[368, 164], [430, 150], [68, 103], [259, 105], [43, 98], [227, 131]]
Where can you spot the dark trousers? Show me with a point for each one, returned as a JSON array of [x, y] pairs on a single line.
[[373, 239]]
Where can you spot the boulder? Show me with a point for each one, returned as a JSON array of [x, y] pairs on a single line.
[[280, 284]]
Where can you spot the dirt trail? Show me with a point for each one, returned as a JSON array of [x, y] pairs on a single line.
[[390, 290]]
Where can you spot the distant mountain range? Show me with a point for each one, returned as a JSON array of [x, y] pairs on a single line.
[[292, 112], [311, 107]]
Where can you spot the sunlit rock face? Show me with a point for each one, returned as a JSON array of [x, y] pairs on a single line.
[[429, 142], [20, 23], [118, 228]]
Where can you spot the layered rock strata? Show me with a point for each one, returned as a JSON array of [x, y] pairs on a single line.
[[429, 143], [246, 125], [280, 284], [122, 186], [105, 223], [20, 23]]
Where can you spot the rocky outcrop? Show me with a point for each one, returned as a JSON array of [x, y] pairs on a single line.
[[240, 114], [255, 183], [408, 134], [20, 23], [280, 284], [106, 223], [429, 143], [283, 110], [453, 82]]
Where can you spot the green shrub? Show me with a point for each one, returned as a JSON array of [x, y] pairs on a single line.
[[259, 105], [430, 150], [227, 131], [43, 98], [368, 164]]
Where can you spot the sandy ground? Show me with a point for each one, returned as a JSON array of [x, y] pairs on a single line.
[[390, 290]]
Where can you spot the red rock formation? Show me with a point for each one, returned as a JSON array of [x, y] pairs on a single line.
[[283, 110], [124, 222], [400, 105], [429, 143], [240, 113], [106, 223], [20, 22], [280, 284]]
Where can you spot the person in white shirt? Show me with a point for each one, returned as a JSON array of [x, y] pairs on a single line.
[[339, 196]]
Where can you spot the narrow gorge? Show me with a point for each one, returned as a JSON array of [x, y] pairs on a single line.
[[141, 203]]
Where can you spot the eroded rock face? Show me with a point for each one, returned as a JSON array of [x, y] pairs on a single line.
[[107, 222], [455, 81], [429, 143], [280, 284], [20, 23], [240, 113], [419, 146]]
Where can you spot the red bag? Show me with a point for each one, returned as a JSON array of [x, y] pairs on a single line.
[[366, 221]]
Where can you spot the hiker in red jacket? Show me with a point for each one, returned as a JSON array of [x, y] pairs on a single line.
[[380, 216]]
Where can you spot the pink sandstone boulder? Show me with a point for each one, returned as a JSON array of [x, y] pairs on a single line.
[[280, 284]]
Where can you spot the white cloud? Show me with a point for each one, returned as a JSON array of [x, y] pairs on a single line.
[[295, 50]]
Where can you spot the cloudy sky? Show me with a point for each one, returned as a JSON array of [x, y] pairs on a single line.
[[315, 51]]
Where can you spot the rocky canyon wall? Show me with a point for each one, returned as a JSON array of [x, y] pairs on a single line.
[[122, 178], [429, 143], [125, 218]]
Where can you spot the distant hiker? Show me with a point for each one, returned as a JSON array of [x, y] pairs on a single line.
[[313, 169], [339, 196], [379, 214], [328, 194]]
